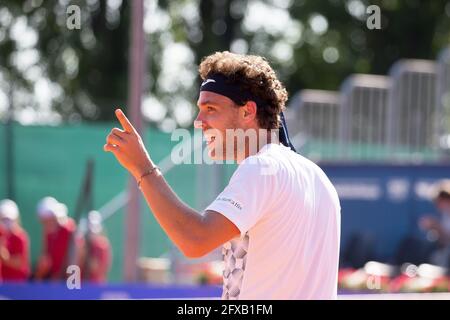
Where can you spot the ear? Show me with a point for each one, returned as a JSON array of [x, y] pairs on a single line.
[[249, 111]]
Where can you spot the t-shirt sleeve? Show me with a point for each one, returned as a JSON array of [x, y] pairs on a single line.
[[248, 195]]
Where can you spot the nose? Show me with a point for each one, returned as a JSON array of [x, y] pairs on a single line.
[[199, 122]]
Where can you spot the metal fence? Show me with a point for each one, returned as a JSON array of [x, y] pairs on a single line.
[[411, 126], [443, 99], [362, 118], [404, 116], [313, 122]]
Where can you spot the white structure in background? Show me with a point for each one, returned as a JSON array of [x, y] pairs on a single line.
[[411, 125], [405, 116], [312, 116], [443, 98], [362, 117]]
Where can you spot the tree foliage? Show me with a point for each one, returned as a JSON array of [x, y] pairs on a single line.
[[311, 44]]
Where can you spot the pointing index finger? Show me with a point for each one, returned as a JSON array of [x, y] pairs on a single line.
[[126, 124]]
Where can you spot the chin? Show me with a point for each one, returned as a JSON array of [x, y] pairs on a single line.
[[212, 154], [216, 156]]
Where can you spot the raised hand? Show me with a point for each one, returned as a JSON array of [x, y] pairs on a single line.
[[127, 146]]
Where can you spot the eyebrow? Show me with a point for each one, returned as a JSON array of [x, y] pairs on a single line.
[[207, 102]]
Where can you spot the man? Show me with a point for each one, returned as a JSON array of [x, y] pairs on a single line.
[[440, 227], [279, 217], [15, 246], [96, 251], [58, 231], [2, 245]]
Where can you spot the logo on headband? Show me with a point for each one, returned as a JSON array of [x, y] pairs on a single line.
[[208, 81]]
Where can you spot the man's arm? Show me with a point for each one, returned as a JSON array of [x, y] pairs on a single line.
[[194, 234]]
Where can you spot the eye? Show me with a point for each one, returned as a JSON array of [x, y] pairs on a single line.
[[209, 109]]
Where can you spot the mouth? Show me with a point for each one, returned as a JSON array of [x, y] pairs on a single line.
[[210, 140]]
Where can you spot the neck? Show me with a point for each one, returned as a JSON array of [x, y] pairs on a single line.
[[265, 137]]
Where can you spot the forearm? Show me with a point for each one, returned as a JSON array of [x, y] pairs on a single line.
[[14, 261], [184, 226], [42, 267]]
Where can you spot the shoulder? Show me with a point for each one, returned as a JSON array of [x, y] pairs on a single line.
[[257, 162], [20, 234], [260, 165]]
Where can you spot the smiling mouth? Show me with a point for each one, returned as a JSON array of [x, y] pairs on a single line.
[[210, 140]]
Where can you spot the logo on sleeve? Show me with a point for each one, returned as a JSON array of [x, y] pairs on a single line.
[[231, 201]]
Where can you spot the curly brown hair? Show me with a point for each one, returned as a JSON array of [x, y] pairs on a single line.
[[252, 73]]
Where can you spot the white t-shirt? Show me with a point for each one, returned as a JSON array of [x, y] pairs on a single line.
[[288, 213]]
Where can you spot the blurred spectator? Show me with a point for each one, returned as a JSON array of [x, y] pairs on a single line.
[[58, 232], [2, 244], [97, 251], [359, 249], [440, 228], [14, 244]]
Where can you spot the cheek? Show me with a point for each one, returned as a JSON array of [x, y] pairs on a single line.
[[231, 120], [221, 121], [215, 121]]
